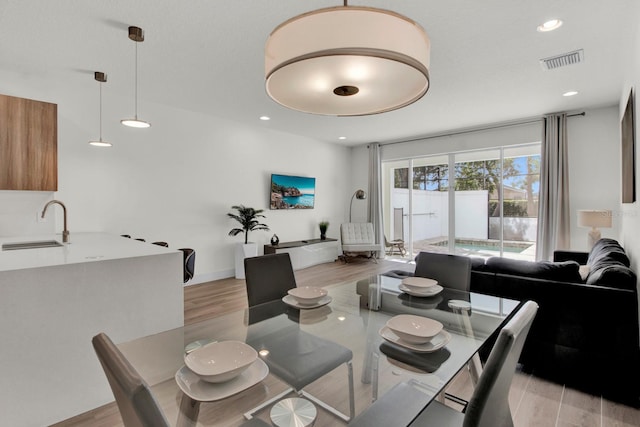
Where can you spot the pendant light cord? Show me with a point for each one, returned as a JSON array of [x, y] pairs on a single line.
[[100, 111], [136, 84]]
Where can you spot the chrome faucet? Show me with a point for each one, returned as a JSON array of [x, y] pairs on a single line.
[[65, 232]]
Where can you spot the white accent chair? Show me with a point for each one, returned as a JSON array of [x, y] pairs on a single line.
[[358, 239]]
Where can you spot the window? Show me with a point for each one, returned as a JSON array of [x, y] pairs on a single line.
[[493, 211]]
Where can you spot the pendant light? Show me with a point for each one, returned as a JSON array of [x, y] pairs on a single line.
[[347, 61], [137, 35], [101, 78]]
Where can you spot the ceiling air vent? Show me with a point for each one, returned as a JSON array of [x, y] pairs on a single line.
[[562, 60]]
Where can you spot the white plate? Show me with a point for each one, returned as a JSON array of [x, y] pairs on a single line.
[[307, 295], [419, 282], [197, 389], [221, 361], [288, 299], [436, 343], [426, 292], [414, 329]]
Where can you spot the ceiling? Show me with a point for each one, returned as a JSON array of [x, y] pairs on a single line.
[[208, 57]]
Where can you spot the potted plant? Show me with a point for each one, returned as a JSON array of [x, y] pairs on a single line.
[[324, 225], [248, 219]]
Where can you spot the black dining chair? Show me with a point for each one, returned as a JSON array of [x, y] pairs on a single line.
[[451, 271], [188, 264], [136, 403], [268, 277], [297, 357]]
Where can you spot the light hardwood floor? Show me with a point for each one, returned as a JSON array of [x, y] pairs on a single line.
[[534, 402]]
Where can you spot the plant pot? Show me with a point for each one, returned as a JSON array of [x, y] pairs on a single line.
[[244, 251], [323, 236]]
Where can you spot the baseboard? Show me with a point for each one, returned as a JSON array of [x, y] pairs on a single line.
[[210, 277]]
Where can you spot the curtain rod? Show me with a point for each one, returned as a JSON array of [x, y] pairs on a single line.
[[490, 127]]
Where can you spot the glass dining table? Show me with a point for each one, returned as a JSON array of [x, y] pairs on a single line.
[[354, 316]]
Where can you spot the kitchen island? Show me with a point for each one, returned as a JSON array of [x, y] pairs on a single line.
[[54, 300]]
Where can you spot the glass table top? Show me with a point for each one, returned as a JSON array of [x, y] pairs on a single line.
[[355, 318]]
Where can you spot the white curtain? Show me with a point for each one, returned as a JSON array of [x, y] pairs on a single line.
[[374, 212], [553, 209]]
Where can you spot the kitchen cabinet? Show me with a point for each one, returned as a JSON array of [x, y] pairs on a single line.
[[54, 300], [28, 144]]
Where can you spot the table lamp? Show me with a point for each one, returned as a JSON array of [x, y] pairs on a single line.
[[594, 219]]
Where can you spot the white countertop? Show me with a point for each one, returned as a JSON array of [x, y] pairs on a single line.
[[83, 247]]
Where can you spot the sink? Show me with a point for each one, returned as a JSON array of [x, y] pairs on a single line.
[[31, 245]]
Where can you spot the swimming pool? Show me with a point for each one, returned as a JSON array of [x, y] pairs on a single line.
[[485, 245]]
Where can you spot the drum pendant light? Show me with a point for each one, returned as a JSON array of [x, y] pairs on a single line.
[[347, 61], [101, 78], [137, 35]]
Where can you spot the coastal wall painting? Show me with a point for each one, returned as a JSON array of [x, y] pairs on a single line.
[[292, 192], [627, 128]]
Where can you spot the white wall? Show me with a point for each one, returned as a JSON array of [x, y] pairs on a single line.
[[175, 181], [472, 214], [431, 213], [629, 213], [594, 170], [510, 135], [359, 175]]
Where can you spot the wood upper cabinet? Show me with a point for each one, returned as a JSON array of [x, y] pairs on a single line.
[[28, 144]]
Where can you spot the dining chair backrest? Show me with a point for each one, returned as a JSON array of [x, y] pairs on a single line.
[[136, 403], [451, 271], [489, 404], [188, 263], [268, 277]]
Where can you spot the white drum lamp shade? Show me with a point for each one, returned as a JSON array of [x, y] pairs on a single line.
[[594, 219], [347, 61]]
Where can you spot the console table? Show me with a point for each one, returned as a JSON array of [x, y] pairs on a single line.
[[305, 253]]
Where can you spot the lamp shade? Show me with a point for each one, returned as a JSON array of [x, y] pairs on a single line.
[[347, 61], [594, 218]]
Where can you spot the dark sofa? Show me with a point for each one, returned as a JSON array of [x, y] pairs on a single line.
[[586, 331]]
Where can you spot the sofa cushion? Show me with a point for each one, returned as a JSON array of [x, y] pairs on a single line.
[[614, 275], [566, 271], [607, 250], [477, 263]]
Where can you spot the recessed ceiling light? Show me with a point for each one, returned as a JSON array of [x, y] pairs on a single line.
[[265, 118], [570, 93], [342, 137], [552, 24]]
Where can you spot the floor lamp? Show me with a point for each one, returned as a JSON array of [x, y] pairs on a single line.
[[360, 195], [594, 219]]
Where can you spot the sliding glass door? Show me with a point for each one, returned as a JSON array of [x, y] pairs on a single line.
[[493, 211]]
